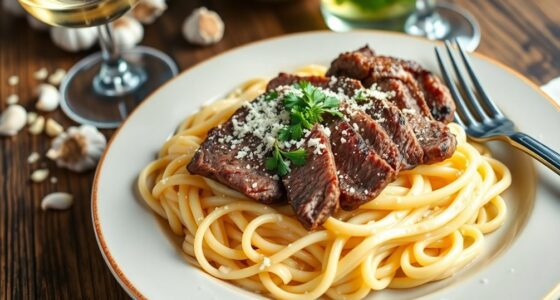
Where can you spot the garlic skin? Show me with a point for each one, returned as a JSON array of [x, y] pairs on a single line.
[[203, 27], [78, 149], [13, 7], [36, 24], [57, 201], [74, 39], [12, 120], [147, 11], [48, 97], [128, 32]]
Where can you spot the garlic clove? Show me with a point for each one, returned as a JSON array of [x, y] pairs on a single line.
[[57, 201], [12, 99], [53, 128], [13, 7], [37, 127], [128, 32], [54, 180], [31, 117], [33, 158], [48, 97], [203, 27], [13, 80], [36, 24], [57, 76], [147, 11], [78, 149], [39, 175], [12, 120], [74, 39], [41, 74]]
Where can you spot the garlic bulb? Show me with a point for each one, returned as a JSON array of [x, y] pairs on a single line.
[[74, 39], [48, 97], [12, 120], [203, 27], [78, 149], [147, 11], [57, 201], [13, 7], [36, 24], [128, 32]]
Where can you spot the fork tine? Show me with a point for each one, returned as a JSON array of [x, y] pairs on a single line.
[[487, 101], [466, 88], [461, 105]]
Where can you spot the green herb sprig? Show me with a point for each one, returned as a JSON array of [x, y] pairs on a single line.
[[277, 163], [306, 110]]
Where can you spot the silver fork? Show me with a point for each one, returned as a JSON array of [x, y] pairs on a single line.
[[483, 120]]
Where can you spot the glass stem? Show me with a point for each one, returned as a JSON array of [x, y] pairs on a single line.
[[425, 8], [427, 22], [116, 77]]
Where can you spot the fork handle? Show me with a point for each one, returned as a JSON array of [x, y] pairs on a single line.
[[538, 150]]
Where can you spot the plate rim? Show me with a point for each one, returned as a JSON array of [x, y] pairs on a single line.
[[114, 267]]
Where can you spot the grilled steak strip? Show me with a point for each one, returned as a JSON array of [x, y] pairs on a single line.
[[377, 138], [431, 95], [399, 130], [361, 172], [249, 176], [343, 85], [314, 200], [434, 137]]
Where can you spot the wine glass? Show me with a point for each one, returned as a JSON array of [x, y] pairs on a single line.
[[104, 87], [443, 22]]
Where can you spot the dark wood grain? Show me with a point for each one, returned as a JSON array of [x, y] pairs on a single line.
[[52, 255]]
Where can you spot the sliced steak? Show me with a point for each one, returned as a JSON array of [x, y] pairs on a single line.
[[399, 130], [442, 106], [313, 187], [343, 85], [438, 143], [426, 88], [220, 162], [434, 137], [404, 96], [377, 138], [361, 172]]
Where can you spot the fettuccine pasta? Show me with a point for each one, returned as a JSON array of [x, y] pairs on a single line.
[[425, 226]]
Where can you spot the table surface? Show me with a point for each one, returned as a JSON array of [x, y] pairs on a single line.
[[55, 254]]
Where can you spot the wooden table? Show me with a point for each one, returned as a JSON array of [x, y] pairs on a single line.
[[55, 254]]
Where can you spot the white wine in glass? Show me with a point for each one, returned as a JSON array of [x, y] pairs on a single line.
[[104, 87]]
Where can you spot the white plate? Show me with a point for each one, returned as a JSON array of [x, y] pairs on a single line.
[[521, 261]]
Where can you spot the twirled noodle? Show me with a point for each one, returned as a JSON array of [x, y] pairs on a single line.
[[424, 226]]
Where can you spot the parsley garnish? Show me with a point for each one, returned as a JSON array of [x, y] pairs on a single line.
[[272, 95], [360, 96], [307, 108], [277, 162]]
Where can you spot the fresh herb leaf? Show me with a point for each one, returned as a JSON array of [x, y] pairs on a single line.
[[277, 162], [284, 134], [297, 157], [360, 96], [272, 95]]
